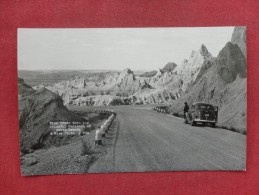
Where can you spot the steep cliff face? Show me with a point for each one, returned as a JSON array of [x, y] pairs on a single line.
[[239, 37], [125, 82], [36, 109], [161, 78], [222, 82], [126, 78], [231, 62], [189, 69]]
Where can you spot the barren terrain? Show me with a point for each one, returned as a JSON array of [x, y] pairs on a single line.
[[143, 140], [151, 141]]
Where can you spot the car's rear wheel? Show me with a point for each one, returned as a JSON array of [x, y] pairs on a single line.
[[213, 125], [193, 123]]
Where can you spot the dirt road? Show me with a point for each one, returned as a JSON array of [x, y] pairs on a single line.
[[149, 141]]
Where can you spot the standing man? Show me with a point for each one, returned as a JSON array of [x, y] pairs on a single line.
[[185, 110]]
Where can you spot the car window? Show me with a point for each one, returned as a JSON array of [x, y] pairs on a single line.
[[204, 107]]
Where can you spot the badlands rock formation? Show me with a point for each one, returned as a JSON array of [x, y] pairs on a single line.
[[36, 109], [125, 87], [191, 67], [120, 88], [169, 67], [149, 74], [231, 63], [239, 37], [101, 100], [201, 77], [221, 82]]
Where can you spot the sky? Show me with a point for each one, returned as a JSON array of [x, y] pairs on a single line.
[[114, 48]]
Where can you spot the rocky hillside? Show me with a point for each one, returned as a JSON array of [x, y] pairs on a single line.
[[219, 80], [148, 74], [101, 100], [36, 109], [121, 88], [169, 67], [239, 37], [222, 82], [126, 87], [188, 71]]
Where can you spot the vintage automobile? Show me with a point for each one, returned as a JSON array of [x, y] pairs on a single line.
[[202, 113]]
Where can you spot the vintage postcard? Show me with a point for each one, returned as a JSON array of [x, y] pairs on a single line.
[[102, 100]]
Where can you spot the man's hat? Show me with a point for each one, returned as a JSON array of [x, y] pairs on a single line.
[[185, 102]]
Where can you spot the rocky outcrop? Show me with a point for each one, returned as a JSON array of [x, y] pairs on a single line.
[[126, 80], [161, 78], [100, 100], [239, 37], [231, 62], [148, 74], [156, 96], [121, 84], [36, 109], [169, 67], [78, 83], [221, 82], [164, 87], [189, 69]]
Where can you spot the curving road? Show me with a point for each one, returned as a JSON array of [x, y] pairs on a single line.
[[150, 141]]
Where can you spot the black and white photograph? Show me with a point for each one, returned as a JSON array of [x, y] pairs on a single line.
[[104, 100]]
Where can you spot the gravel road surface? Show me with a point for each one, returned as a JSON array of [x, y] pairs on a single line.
[[149, 141]]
